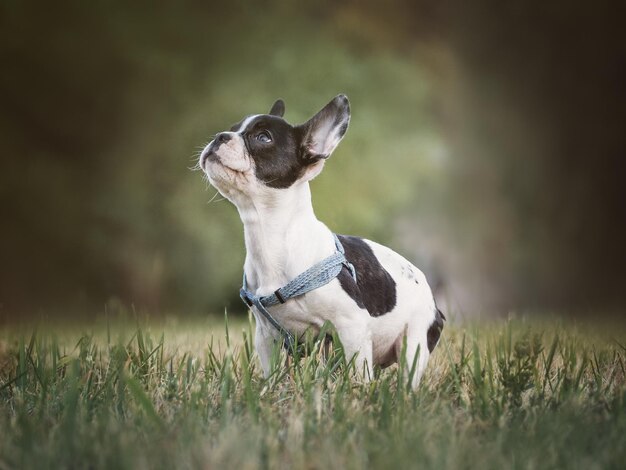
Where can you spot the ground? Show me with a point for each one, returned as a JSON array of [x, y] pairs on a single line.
[[169, 394]]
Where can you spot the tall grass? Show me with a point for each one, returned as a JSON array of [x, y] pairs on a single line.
[[510, 395]]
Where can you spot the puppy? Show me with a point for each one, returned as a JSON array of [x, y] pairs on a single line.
[[263, 165]]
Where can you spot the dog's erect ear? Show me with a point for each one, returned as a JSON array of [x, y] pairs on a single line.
[[323, 132], [278, 109]]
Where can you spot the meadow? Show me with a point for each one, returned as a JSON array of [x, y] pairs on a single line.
[[514, 393]]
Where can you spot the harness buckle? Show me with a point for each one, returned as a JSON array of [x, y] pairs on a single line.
[[279, 296]]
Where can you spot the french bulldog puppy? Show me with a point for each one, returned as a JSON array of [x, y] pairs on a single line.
[[263, 165]]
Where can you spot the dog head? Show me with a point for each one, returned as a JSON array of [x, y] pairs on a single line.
[[264, 153]]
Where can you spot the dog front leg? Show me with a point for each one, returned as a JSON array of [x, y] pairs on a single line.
[[263, 344]]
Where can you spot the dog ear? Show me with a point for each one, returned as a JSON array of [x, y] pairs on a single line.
[[323, 132], [278, 109]]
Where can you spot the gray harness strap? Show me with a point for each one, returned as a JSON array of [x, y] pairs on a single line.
[[316, 276]]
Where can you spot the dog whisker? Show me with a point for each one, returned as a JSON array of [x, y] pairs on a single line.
[[269, 181], [213, 198]]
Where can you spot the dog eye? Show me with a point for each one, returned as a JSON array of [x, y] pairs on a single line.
[[264, 137]]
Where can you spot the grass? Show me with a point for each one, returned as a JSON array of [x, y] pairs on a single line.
[[514, 394]]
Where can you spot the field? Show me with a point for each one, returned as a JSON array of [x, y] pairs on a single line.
[[503, 394]]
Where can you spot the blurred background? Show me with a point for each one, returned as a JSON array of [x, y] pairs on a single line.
[[485, 145]]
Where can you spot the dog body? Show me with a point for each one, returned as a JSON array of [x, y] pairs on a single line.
[[263, 165]]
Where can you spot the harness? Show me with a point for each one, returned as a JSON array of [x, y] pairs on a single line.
[[316, 276]]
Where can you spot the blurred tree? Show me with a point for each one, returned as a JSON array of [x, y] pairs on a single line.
[[485, 141]]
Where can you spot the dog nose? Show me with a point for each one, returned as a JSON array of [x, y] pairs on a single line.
[[222, 138]]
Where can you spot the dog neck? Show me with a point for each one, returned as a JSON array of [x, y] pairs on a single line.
[[283, 237]]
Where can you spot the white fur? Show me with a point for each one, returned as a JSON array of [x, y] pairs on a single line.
[[245, 123]]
